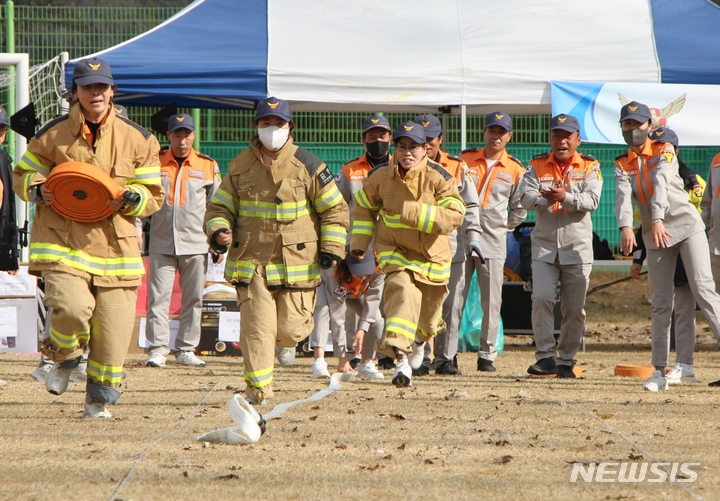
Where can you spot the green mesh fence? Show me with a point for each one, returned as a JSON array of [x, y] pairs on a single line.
[[45, 31]]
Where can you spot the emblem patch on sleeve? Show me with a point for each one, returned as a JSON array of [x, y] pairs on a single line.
[[325, 177]]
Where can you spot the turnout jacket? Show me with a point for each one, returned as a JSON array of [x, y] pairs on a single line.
[[410, 219], [177, 228], [498, 189], [281, 215], [710, 206], [653, 181], [563, 231], [107, 249]]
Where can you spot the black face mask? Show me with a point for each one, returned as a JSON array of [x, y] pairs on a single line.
[[378, 149], [635, 137]]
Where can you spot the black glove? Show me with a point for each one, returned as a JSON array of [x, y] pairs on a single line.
[[325, 260], [220, 249], [474, 249]]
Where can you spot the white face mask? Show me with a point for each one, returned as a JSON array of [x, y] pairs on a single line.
[[273, 138]]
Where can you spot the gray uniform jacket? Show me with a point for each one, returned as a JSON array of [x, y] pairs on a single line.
[[710, 206], [562, 230], [177, 229], [652, 179]]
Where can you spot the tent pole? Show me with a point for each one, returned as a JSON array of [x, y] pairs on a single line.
[[10, 48], [196, 119], [463, 127]]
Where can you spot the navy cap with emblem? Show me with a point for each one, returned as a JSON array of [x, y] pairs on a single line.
[[564, 122], [180, 121], [411, 130], [92, 71], [120, 110], [375, 121], [273, 106], [666, 135], [361, 266], [635, 111], [3, 117], [431, 124], [500, 119]]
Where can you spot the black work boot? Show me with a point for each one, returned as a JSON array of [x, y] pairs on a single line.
[[543, 367]]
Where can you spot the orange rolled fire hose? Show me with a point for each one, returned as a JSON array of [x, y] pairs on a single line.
[[81, 191]]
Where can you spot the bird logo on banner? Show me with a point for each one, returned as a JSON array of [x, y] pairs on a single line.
[[660, 116]]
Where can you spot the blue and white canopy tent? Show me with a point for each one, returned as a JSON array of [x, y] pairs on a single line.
[[396, 55]]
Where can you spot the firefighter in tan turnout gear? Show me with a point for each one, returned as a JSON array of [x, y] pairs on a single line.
[[91, 270], [268, 210], [410, 206]]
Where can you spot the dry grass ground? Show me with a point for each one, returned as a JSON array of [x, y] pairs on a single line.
[[493, 436]]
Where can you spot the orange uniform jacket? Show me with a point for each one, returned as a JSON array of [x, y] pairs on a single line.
[[498, 189]]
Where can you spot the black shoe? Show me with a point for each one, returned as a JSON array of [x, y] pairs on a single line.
[[543, 367], [354, 361], [565, 371], [447, 368], [485, 365], [386, 363], [423, 370]]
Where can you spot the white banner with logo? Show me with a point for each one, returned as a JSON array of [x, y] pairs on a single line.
[[689, 110]]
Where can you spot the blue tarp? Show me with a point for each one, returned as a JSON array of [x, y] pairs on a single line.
[[330, 55]]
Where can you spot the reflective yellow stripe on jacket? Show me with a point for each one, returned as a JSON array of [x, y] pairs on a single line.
[[434, 271], [31, 162], [239, 271], [114, 267], [329, 199], [280, 274], [333, 234], [363, 227]]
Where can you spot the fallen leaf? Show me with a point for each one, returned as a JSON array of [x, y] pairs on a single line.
[[402, 447], [341, 446], [186, 474], [372, 468], [605, 416], [313, 418], [314, 408], [231, 476], [503, 459]]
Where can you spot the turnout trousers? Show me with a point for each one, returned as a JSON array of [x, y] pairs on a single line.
[[101, 318], [413, 309], [270, 318]]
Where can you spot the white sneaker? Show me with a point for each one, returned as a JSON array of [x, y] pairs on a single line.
[[368, 371], [79, 373], [188, 358], [285, 356], [95, 409], [403, 374], [656, 382], [319, 368], [42, 372], [680, 374], [415, 359], [57, 379], [155, 360]]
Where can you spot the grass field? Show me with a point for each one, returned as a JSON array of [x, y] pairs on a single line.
[[499, 436], [503, 435]]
